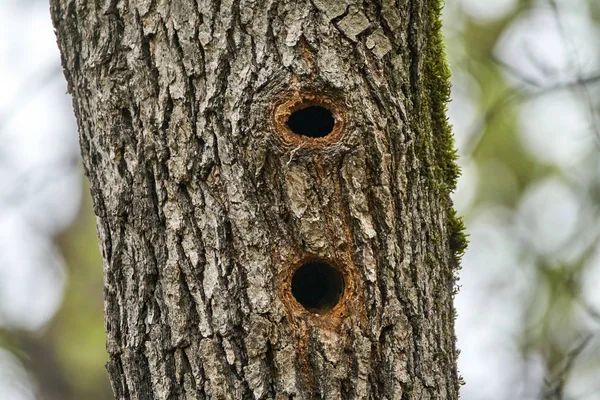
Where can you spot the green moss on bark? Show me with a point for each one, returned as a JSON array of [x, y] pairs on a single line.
[[437, 85]]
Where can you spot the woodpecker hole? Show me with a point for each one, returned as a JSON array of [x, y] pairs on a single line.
[[313, 121], [317, 286]]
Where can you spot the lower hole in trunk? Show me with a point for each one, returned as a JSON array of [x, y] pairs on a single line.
[[317, 286]]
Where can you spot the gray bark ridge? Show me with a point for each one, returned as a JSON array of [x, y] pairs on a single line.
[[207, 202]]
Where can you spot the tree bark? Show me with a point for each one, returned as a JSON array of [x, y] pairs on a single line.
[[208, 201]]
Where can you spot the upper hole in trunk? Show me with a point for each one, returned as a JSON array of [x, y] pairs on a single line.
[[312, 121], [317, 286]]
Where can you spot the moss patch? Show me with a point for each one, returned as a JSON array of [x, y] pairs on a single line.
[[437, 85]]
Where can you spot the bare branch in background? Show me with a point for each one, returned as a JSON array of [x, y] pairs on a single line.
[[579, 81], [582, 85], [555, 383], [512, 95]]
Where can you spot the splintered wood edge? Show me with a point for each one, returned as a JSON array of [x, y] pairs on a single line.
[[331, 319], [296, 101]]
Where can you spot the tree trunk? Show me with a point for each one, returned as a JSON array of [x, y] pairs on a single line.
[[271, 181]]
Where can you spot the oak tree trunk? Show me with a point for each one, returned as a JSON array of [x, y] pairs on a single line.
[[271, 181]]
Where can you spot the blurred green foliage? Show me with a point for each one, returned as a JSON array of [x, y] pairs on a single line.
[[78, 328], [559, 325]]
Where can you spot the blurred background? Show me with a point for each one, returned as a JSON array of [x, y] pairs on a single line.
[[526, 114]]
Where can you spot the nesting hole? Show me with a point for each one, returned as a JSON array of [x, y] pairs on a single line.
[[317, 286], [311, 121]]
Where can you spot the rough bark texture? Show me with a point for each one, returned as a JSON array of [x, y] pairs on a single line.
[[207, 203]]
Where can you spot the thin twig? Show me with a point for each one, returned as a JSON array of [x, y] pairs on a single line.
[[558, 381]]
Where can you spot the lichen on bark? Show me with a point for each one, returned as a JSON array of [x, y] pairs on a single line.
[[206, 205]]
